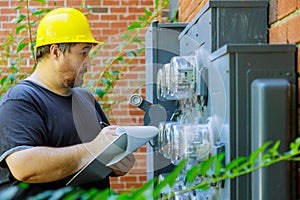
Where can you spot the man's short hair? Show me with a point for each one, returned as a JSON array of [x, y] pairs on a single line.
[[43, 51]]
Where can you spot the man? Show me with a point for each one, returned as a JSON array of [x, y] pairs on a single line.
[[49, 128]]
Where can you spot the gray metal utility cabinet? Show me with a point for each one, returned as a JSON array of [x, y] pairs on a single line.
[[251, 92]]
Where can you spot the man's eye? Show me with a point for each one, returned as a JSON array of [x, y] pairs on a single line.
[[83, 53]]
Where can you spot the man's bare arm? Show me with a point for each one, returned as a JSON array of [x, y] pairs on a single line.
[[47, 164]]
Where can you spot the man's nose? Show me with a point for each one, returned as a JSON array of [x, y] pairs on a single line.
[[86, 63]]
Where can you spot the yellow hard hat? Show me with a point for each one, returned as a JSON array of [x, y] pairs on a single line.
[[64, 25]]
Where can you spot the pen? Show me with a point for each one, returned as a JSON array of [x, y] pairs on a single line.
[[104, 124]]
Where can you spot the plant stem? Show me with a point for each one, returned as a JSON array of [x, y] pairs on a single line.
[[29, 32]]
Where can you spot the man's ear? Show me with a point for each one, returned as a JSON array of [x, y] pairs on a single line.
[[55, 51]]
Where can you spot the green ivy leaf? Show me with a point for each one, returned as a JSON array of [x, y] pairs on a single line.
[[131, 53], [142, 18], [165, 3], [254, 155], [21, 46], [125, 36], [88, 7], [156, 4], [23, 185], [218, 165], [3, 80], [41, 1], [192, 173], [115, 72], [274, 150], [120, 58], [18, 19], [19, 7], [11, 78], [203, 186], [206, 165], [242, 167], [105, 81], [134, 25], [295, 145], [147, 12], [138, 194], [234, 163], [140, 50], [40, 12], [100, 92], [19, 28], [137, 40]]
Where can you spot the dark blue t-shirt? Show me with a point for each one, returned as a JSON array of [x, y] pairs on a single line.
[[31, 115]]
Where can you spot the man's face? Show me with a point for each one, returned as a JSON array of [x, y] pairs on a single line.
[[74, 64]]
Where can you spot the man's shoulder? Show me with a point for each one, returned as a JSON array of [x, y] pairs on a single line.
[[20, 91]]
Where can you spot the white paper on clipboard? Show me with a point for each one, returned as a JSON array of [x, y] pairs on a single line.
[[129, 140]]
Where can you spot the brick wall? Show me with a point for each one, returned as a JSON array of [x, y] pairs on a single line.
[[108, 19], [187, 10]]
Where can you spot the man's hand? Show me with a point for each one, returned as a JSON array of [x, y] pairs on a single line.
[[123, 166]]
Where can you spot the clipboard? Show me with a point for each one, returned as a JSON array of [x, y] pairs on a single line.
[[129, 140]]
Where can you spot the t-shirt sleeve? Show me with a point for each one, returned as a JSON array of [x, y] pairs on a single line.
[[21, 127]]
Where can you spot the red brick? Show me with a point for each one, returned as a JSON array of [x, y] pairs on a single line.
[[128, 178], [147, 3], [91, 17], [108, 17], [58, 3], [136, 9], [130, 2], [293, 28], [116, 185], [142, 178], [128, 17], [3, 3], [9, 26], [286, 7], [118, 10], [4, 18], [134, 185], [100, 24], [7, 11], [278, 34], [35, 3], [92, 2], [73, 3], [111, 2], [118, 24]]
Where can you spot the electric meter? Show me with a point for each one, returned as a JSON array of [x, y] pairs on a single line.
[[182, 74]]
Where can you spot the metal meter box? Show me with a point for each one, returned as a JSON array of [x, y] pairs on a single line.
[[161, 45], [223, 22], [253, 100]]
